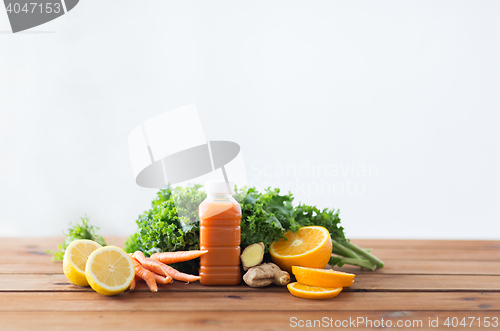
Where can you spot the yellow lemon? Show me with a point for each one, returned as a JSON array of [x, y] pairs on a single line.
[[311, 246], [75, 259], [109, 270], [313, 292]]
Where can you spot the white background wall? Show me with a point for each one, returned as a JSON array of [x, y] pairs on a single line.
[[407, 89]]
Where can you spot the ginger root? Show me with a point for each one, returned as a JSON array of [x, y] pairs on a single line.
[[266, 274], [260, 275], [252, 256]]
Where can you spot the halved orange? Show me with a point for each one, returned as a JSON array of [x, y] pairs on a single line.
[[322, 277], [311, 246], [313, 292]]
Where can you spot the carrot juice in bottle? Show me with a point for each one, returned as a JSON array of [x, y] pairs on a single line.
[[220, 217]]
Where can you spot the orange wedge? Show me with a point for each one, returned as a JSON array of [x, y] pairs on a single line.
[[313, 292], [311, 246], [322, 277]]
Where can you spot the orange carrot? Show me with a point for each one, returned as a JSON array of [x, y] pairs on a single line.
[[146, 275], [131, 287], [160, 268], [162, 280], [174, 257], [176, 274], [150, 264]]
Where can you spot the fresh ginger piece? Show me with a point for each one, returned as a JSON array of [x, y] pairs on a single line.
[[260, 282], [266, 274], [281, 277], [252, 256]]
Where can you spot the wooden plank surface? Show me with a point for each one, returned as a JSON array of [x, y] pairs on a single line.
[[421, 280], [43, 243], [426, 244], [432, 268], [364, 282], [245, 301], [382, 253], [43, 265], [402, 257], [437, 254], [237, 320]]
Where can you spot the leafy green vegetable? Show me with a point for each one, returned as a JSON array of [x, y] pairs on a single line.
[[265, 218], [172, 224], [81, 230]]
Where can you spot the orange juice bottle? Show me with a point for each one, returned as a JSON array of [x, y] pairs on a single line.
[[220, 217]]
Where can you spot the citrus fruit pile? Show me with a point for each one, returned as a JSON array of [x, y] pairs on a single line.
[[306, 253], [108, 270]]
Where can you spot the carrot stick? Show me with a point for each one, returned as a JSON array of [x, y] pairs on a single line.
[[146, 275], [174, 257], [160, 268]]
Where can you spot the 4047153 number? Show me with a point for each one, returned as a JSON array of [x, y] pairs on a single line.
[[33, 7], [470, 322]]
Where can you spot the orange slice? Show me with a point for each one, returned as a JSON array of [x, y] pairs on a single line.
[[311, 246], [322, 277], [313, 292]]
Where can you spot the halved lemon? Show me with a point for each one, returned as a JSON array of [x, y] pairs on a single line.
[[75, 259], [313, 292], [109, 270], [311, 246], [322, 277]]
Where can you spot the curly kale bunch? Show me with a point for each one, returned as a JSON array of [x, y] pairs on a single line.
[[172, 224]]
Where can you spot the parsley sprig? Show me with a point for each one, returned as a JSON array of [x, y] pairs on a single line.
[[82, 230]]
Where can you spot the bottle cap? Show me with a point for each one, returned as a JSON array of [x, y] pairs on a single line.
[[214, 187]]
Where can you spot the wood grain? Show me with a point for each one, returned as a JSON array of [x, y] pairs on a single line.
[[364, 282], [382, 253], [237, 320], [406, 254], [43, 265], [426, 244], [432, 268], [28, 255], [44, 243], [421, 280], [245, 301]]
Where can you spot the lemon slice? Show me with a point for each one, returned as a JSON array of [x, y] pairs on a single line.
[[313, 292], [109, 270], [75, 259], [311, 246]]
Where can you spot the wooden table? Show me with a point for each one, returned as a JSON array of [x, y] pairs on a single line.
[[423, 280]]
